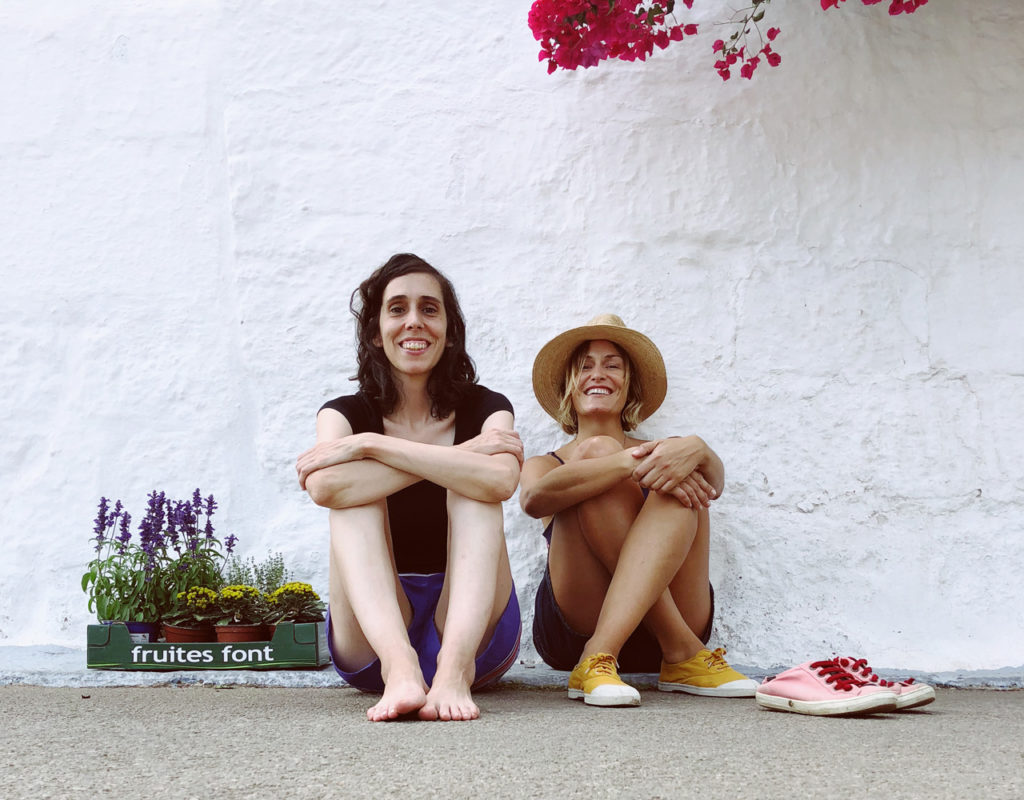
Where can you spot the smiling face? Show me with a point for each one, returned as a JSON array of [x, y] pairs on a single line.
[[602, 380], [413, 323]]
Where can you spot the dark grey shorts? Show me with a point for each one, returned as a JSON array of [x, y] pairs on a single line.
[[560, 646]]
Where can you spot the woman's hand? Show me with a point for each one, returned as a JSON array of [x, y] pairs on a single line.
[[693, 491], [329, 453], [493, 441], [670, 466]]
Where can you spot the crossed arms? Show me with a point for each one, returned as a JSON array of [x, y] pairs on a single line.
[[683, 467], [346, 469]]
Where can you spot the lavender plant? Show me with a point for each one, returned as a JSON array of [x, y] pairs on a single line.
[[176, 549], [116, 580]]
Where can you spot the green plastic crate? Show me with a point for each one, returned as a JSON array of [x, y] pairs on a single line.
[[295, 645]]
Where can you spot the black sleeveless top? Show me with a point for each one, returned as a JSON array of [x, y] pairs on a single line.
[[418, 514]]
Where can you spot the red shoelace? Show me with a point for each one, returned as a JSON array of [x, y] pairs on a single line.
[[861, 669], [834, 674]]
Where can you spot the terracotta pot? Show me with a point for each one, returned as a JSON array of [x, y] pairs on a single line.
[[184, 633], [241, 633]]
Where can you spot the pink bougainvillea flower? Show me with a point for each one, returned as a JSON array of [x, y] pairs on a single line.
[[905, 7], [582, 33]]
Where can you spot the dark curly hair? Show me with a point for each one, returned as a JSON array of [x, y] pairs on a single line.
[[454, 372]]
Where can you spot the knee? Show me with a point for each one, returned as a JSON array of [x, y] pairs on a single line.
[[598, 446], [669, 506]]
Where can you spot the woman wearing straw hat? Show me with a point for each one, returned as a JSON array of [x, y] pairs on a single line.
[[627, 525], [414, 468]]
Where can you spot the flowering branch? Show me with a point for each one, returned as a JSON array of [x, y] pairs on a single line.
[[736, 47], [582, 33]]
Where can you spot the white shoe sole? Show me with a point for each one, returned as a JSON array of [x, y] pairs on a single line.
[[876, 703], [746, 688], [918, 695], [606, 701]]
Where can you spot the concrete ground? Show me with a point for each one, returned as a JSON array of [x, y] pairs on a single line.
[[307, 737]]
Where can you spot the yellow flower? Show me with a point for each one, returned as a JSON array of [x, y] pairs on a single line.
[[296, 588]]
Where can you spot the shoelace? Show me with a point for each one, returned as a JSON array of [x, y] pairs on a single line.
[[835, 674], [603, 665], [861, 669], [716, 661]]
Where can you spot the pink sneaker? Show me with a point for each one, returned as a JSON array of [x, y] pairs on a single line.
[[908, 693], [825, 689]]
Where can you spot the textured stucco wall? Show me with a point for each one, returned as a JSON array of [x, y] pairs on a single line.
[[828, 256]]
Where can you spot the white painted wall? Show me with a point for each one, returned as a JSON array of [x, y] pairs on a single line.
[[828, 256]]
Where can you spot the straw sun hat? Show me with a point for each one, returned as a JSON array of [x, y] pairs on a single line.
[[648, 366]]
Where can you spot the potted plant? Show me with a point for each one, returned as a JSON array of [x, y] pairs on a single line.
[[240, 613], [191, 621], [294, 602], [266, 575], [144, 580], [190, 554], [120, 580]]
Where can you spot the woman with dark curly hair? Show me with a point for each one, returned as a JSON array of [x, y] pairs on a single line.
[[414, 468]]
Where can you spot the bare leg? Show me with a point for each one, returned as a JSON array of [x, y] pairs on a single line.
[[476, 590], [369, 610], [690, 592], [585, 552], [582, 558], [651, 555]]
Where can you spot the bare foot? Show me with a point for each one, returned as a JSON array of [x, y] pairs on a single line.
[[401, 696], [449, 701]]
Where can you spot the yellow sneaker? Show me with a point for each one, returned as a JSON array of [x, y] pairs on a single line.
[[596, 681], [707, 673]]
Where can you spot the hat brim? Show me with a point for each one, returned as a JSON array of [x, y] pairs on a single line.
[[648, 367]]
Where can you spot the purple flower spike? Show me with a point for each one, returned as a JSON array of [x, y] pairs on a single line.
[[101, 522], [126, 533], [229, 543], [172, 525]]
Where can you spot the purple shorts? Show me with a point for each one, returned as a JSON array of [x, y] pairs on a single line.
[[423, 592]]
